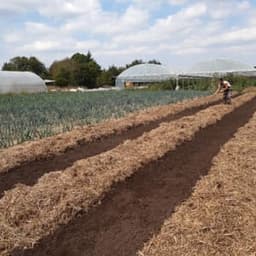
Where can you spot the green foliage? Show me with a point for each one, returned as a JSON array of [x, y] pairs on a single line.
[[81, 58], [26, 64], [62, 72], [82, 70], [86, 74], [202, 84], [154, 62], [137, 62], [107, 77], [79, 70], [165, 85], [239, 83], [29, 117]]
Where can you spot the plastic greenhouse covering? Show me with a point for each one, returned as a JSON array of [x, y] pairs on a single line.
[[19, 82], [144, 73], [220, 66]]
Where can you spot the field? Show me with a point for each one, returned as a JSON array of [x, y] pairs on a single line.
[[30, 117], [175, 179]]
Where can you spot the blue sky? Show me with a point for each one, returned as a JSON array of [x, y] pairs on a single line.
[[176, 32]]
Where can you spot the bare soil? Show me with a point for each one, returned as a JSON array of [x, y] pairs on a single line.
[[28, 173], [49, 147], [220, 216], [134, 210], [28, 214]]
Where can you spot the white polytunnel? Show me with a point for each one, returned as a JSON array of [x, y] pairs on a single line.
[[21, 82], [219, 67], [144, 73]]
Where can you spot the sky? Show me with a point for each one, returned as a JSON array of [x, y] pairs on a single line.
[[178, 33]]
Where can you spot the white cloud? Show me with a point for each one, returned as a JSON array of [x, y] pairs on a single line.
[[87, 45], [107, 23], [18, 5], [69, 8], [244, 5], [240, 35], [11, 38], [193, 11], [141, 29], [177, 2], [169, 28], [220, 9], [42, 46]]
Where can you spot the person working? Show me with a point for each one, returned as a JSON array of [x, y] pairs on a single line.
[[225, 87]]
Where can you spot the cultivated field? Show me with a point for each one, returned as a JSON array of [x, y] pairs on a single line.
[[123, 186], [220, 216], [29, 117]]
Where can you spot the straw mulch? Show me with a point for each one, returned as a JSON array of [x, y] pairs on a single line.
[[29, 213], [220, 217], [250, 89], [52, 146]]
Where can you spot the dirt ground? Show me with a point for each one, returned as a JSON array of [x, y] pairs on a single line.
[[28, 173], [79, 139], [62, 197], [220, 217], [134, 210]]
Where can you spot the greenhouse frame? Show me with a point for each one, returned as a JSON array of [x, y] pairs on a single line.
[[21, 82], [148, 73], [144, 73], [218, 68]]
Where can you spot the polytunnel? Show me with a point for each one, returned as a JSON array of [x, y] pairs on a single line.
[[144, 73], [21, 82], [219, 67], [203, 73]]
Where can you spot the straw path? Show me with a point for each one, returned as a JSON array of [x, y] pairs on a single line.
[[92, 143], [135, 209], [28, 214], [51, 147], [220, 217]]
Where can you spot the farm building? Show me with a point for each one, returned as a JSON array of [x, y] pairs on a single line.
[[21, 82], [143, 73]]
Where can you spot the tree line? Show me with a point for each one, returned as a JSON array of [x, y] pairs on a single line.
[[78, 70]]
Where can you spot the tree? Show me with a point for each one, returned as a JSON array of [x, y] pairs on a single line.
[[38, 67], [63, 77], [79, 70], [107, 76], [154, 62], [62, 72], [26, 64], [86, 70], [135, 62], [81, 58]]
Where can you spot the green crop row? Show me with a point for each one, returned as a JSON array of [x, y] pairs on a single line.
[[30, 117]]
